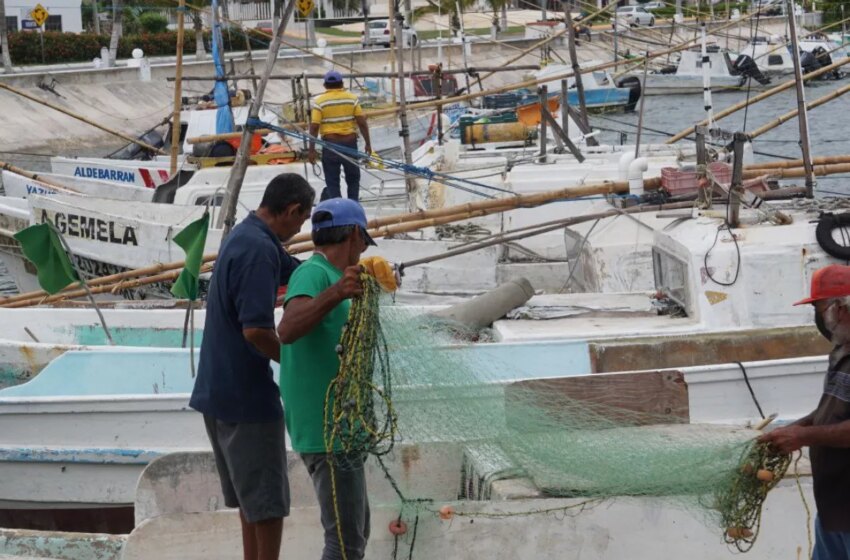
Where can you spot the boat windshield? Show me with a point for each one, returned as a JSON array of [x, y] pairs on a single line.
[[671, 276]]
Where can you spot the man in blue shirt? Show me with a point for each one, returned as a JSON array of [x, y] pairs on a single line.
[[235, 389]]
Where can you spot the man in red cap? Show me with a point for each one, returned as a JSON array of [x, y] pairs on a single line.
[[826, 431]]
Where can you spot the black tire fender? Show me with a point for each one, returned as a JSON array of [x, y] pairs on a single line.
[[826, 223]]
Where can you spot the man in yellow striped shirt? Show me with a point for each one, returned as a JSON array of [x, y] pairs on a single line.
[[336, 116]]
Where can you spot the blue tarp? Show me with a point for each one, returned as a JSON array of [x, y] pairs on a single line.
[[224, 117]]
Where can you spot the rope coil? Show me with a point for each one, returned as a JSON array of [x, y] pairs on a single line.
[[359, 418]]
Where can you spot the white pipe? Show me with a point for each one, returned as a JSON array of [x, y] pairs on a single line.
[[706, 80], [623, 165], [636, 170]]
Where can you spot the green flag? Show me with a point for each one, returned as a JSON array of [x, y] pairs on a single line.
[[42, 247], [192, 240]]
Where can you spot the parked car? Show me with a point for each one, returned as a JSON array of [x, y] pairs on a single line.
[[264, 27], [769, 7], [650, 6], [379, 34], [633, 16]]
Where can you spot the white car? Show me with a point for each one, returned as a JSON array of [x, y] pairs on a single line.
[[633, 16], [650, 6], [378, 33]]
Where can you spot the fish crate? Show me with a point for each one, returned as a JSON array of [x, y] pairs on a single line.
[[682, 181]]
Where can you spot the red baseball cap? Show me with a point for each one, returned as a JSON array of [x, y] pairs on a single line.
[[831, 281]]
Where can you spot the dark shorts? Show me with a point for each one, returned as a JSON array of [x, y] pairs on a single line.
[[352, 503], [251, 463]]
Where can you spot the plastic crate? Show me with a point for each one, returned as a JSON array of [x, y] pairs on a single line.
[[683, 181]]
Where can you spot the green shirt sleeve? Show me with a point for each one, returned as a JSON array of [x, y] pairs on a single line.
[[308, 280]]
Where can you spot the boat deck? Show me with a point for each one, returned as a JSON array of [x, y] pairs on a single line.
[[589, 316]]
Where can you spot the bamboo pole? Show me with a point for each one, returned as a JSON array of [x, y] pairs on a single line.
[[81, 118], [178, 89], [799, 86], [764, 95], [172, 275], [227, 218], [469, 210], [797, 172], [407, 74], [792, 114], [35, 177], [787, 164], [226, 136], [539, 229], [402, 223]]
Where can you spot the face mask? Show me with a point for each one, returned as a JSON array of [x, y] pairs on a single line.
[[820, 323]]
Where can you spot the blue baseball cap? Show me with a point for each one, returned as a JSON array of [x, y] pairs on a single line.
[[344, 212], [333, 77]]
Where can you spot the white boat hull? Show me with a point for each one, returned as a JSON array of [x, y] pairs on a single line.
[[149, 174], [671, 84], [90, 411], [633, 528], [19, 186]]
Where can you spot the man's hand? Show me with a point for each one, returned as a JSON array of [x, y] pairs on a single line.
[[786, 439], [368, 149], [349, 285], [311, 155], [265, 341]]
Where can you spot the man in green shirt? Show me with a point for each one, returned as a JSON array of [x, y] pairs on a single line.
[[315, 311]]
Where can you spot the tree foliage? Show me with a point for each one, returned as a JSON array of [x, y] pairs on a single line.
[[4, 35], [83, 47], [153, 22]]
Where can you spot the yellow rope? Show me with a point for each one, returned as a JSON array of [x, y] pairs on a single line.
[[359, 418], [805, 503]]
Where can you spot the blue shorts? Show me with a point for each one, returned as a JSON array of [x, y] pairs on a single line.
[[830, 545]]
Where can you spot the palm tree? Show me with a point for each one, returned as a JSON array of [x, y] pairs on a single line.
[[450, 7], [117, 12], [4, 39], [500, 12], [342, 8], [198, 24]]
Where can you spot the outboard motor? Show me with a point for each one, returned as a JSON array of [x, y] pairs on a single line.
[[823, 59], [165, 192], [823, 56], [809, 62], [745, 66], [632, 83], [134, 151]]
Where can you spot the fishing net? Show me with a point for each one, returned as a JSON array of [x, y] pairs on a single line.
[[405, 378]]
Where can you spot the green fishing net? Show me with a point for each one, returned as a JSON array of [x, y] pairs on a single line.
[[405, 377]]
